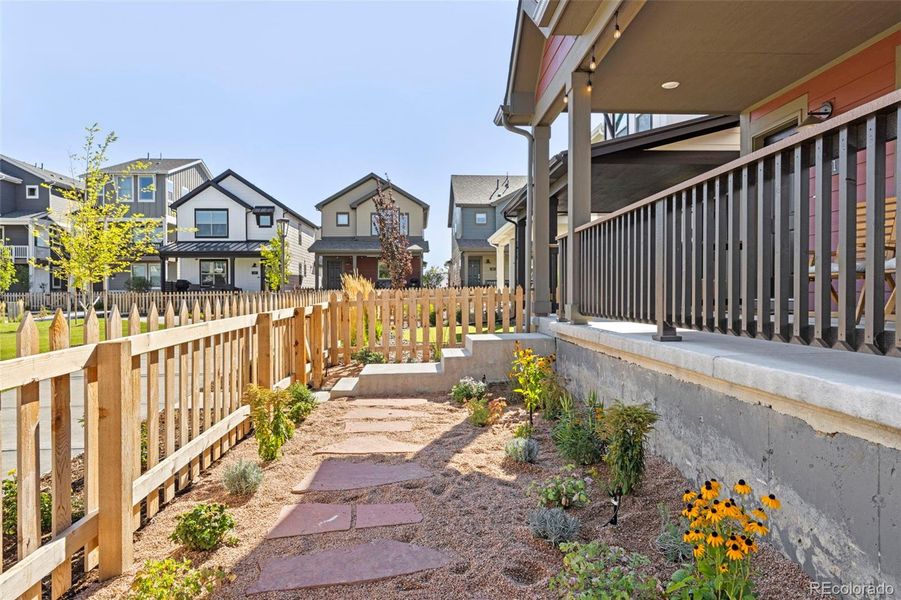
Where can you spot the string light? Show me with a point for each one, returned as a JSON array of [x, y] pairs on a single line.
[[593, 64], [565, 98], [589, 84], [616, 32]]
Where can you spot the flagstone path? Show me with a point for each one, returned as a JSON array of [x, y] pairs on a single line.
[[377, 559]]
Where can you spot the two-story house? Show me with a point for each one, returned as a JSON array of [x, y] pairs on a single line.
[[30, 196], [349, 240], [222, 224], [474, 213], [151, 190]]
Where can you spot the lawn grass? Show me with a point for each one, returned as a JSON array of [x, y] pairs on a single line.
[[76, 335]]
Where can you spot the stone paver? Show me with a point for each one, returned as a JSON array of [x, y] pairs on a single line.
[[306, 519], [390, 402], [377, 426], [369, 444], [333, 475], [375, 560], [383, 413], [380, 515]]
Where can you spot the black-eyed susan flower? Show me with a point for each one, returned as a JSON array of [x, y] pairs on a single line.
[[709, 491], [686, 537], [759, 514], [724, 568], [698, 550], [756, 527], [715, 540], [750, 545], [741, 488], [694, 535], [715, 484], [771, 501], [715, 516], [697, 523], [689, 495], [734, 552]]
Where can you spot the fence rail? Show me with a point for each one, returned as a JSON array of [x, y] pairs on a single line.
[[179, 386], [733, 250]]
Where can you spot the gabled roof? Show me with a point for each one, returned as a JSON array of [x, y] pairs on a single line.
[[364, 197], [369, 243], [160, 166], [482, 190], [51, 177], [216, 182]]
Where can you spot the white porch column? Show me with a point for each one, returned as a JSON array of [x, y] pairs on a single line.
[[578, 186], [540, 220], [499, 267], [511, 266]]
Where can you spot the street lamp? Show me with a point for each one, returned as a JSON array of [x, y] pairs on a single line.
[[282, 228]]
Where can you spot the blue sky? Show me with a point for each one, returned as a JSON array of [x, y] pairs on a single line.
[[301, 98]]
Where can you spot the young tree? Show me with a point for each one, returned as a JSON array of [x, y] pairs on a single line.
[[434, 277], [275, 270], [96, 237], [394, 244], [7, 268]]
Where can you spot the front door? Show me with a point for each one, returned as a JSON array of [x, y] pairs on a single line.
[[334, 267], [474, 271]]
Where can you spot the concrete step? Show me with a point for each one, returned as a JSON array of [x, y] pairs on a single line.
[[344, 387]]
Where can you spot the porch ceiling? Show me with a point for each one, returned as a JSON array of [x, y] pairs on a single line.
[[728, 55]]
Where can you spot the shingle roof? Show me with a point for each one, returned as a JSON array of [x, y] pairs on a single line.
[[384, 183], [359, 244], [209, 248], [481, 190], [474, 245], [46, 174], [156, 165]]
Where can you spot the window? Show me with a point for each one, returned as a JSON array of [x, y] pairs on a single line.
[[146, 188], [211, 222], [32, 191], [405, 223], [170, 191], [643, 122], [264, 219], [56, 283], [124, 188], [214, 273], [342, 219], [184, 190], [481, 218], [149, 271], [374, 224]]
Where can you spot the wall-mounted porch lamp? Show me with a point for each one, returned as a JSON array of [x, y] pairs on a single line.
[[819, 115], [282, 228]]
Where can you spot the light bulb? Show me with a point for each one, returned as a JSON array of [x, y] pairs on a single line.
[[617, 33], [589, 85], [565, 98], [592, 65]]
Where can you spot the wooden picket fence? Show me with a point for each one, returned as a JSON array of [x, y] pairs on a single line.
[[182, 382]]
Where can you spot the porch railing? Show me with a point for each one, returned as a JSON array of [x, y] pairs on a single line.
[[748, 248]]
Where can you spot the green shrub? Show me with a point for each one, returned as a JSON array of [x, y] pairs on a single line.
[[137, 284], [626, 428], [365, 356], [301, 402], [170, 579], [530, 374], [564, 491], [577, 434], [522, 450], [203, 527], [553, 525], [523, 430], [242, 478], [11, 507], [669, 541], [595, 570], [551, 408], [468, 389], [271, 425], [483, 411]]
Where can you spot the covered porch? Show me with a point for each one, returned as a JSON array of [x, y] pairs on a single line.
[[212, 266]]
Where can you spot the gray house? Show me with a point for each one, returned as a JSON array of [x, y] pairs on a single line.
[[29, 196], [474, 213], [150, 188]]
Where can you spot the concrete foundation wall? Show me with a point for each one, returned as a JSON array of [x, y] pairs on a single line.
[[841, 494]]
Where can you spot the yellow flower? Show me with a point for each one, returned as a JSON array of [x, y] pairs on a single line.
[[715, 484], [695, 535], [699, 550], [742, 488], [690, 511], [686, 537], [697, 523], [688, 496], [715, 516], [734, 552], [709, 491], [771, 501], [724, 568], [756, 527], [715, 539], [759, 514], [750, 545]]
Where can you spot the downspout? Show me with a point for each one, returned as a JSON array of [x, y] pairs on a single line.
[[528, 242]]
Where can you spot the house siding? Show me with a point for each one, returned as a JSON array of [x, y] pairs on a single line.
[[474, 231]]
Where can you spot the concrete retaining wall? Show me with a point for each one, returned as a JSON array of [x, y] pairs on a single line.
[[841, 494]]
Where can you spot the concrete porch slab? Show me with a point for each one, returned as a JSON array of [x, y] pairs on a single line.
[[370, 444], [335, 474], [307, 519], [383, 413]]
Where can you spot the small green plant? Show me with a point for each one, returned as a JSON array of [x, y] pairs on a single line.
[[577, 434], [365, 356], [242, 478], [271, 425], [669, 541], [203, 527], [551, 408], [626, 428], [595, 570], [523, 430], [301, 402], [11, 508], [530, 374], [522, 450], [143, 444], [483, 412], [468, 389], [553, 525], [171, 579], [564, 491]]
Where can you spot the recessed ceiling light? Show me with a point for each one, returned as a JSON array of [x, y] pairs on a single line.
[[669, 85]]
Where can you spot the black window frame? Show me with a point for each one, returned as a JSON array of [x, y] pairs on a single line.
[[338, 222], [212, 260], [208, 237], [271, 216]]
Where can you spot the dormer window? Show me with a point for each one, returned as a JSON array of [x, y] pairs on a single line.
[[32, 192], [264, 219], [481, 218], [342, 219]]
